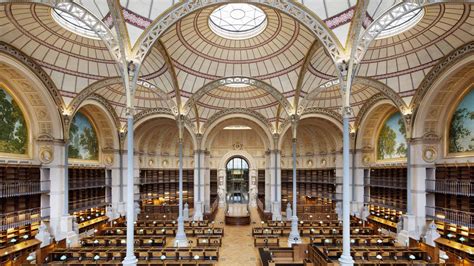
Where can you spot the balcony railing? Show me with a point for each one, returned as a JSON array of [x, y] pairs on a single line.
[[387, 203], [21, 218], [20, 188], [88, 203], [450, 216], [454, 187], [85, 184]]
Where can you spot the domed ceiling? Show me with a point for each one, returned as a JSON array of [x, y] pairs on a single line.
[[194, 52]]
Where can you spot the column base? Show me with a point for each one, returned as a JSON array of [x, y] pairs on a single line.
[[294, 237], [121, 208], [132, 261], [198, 216], [68, 231], [346, 260], [43, 235], [408, 231], [180, 239]]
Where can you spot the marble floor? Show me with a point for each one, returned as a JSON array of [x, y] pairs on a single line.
[[237, 244]]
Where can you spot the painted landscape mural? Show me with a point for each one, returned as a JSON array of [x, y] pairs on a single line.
[[461, 130], [391, 142], [13, 129], [83, 139]]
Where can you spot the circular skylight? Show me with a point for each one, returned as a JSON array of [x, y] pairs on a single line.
[[237, 21], [71, 23], [402, 24]]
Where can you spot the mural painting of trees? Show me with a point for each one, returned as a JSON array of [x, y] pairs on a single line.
[[391, 142], [13, 130], [461, 130], [83, 143]]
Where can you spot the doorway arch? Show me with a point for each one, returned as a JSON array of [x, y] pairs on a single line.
[[252, 176]]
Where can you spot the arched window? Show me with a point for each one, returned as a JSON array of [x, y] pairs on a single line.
[[13, 129], [391, 142], [461, 127], [83, 143], [237, 174]]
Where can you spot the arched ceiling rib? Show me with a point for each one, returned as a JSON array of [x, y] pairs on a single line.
[[72, 61], [401, 61]]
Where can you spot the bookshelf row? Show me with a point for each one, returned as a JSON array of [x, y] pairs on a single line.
[[312, 183], [453, 210], [19, 203], [87, 188], [161, 186], [387, 187]]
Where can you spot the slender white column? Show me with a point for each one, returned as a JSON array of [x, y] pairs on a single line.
[[130, 258], [294, 237], [346, 258], [409, 180], [180, 240], [66, 178], [198, 187]]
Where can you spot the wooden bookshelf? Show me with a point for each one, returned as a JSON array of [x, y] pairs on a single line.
[[388, 188], [87, 188], [20, 204], [453, 210], [261, 184], [163, 185], [320, 183], [213, 185]]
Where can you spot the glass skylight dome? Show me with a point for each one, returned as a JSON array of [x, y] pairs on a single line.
[[402, 24], [71, 23], [238, 21]]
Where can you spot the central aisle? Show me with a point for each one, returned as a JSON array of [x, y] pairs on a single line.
[[237, 245]]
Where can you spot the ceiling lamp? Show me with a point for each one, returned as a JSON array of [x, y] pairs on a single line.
[[237, 21]]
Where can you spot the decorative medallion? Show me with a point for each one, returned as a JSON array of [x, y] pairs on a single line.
[[164, 163], [309, 163], [109, 160], [46, 154], [430, 154], [150, 162], [323, 162], [366, 160]]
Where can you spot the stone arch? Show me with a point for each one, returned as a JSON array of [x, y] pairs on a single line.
[[434, 111], [260, 126], [319, 113], [39, 99], [438, 79]]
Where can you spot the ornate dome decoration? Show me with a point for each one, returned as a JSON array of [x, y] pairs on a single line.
[[238, 21]]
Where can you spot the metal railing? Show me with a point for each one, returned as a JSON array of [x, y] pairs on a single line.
[[454, 187], [88, 203], [387, 203], [451, 216], [85, 184], [21, 188], [22, 218]]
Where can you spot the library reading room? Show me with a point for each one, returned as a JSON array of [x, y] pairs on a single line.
[[237, 132]]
